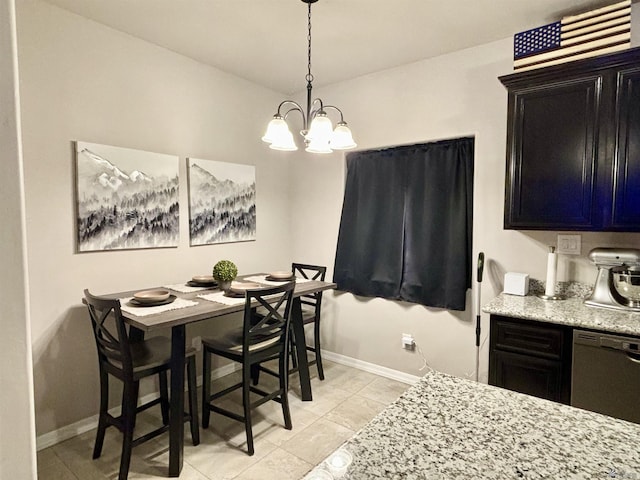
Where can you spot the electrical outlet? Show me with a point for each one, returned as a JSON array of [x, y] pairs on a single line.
[[408, 343], [569, 244], [196, 342]]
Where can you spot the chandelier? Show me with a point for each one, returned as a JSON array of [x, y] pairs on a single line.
[[317, 129]]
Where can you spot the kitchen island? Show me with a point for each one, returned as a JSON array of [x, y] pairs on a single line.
[[447, 427]]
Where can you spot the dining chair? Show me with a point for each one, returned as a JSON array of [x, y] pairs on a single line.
[[129, 361], [261, 338], [311, 306]]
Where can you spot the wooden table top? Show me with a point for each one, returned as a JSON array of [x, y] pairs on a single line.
[[205, 308]]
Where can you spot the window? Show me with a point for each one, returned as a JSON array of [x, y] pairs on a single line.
[[406, 226]]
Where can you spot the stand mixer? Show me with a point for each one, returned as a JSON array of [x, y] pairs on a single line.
[[618, 281]]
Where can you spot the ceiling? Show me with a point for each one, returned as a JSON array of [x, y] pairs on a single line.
[[265, 41]]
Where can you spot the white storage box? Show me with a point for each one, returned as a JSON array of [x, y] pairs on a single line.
[[516, 283]]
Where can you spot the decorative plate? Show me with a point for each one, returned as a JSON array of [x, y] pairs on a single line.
[[136, 303], [232, 294], [282, 274], [151, 296], [203, 281], [241, 287]]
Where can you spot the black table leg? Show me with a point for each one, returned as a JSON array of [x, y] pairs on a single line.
[[176, 414], [301, 349], [135, 334]]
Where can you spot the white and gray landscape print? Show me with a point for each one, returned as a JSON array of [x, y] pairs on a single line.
[[126, 198], [222, 202]]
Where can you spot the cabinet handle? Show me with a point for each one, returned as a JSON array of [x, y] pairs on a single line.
[[632, 358]]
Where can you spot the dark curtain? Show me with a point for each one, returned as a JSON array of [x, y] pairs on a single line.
[[406, 227]]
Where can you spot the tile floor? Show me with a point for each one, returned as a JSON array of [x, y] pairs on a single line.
[[344, 402]]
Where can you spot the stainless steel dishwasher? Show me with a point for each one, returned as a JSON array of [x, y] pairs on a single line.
[[605, 377]]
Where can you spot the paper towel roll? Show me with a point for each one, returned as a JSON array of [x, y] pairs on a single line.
[[552, 265]]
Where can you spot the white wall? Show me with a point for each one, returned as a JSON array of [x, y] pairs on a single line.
[[450, 96], [83, 81], [17, 432]]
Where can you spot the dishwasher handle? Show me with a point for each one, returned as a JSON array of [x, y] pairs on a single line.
[[629, 345]]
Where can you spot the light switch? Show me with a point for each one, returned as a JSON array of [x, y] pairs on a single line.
[[569, 244]]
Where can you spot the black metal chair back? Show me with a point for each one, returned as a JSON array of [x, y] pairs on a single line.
[[311, 307], [310, 272], [110, 334], [270, 331]]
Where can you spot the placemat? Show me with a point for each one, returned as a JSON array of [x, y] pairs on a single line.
[[220, 297], [144, 311]]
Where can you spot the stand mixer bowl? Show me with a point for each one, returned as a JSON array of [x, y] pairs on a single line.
[[626, 281]]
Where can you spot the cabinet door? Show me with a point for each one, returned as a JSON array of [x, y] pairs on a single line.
[[553, 147], [626, 166], [539, 377]]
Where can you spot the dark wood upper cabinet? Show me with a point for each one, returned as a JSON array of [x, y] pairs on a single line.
[[626, 192], [573, 146]]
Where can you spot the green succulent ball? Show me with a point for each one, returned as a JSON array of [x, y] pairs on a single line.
[[225, 271]]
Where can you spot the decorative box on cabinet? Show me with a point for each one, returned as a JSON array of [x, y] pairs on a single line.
[[530, 357], [573, 146]]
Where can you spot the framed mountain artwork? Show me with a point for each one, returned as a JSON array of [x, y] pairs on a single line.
[[126, 198], [222, 202]]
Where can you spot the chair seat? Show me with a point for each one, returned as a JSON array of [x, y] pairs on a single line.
[[151, 353], [308, 315], [232, 342]]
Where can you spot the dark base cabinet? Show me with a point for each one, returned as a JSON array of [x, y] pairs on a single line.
[[531, 357]]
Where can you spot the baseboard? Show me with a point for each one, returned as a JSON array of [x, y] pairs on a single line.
[[370, 367], [65, 433], [78, 428]]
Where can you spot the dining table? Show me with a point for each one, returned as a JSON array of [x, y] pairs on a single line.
[[199, 304]]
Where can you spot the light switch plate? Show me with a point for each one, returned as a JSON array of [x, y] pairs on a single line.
[[569, 244]]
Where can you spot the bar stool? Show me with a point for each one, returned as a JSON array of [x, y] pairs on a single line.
[[129, 362], [259, 339], [311, 306]]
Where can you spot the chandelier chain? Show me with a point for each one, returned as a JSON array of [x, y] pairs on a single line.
[[309, 76]]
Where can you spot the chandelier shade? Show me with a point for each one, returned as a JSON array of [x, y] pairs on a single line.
[[317, 128], [278, 135], [342, 138]]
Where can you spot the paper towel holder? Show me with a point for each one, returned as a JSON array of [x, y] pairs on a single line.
[[552, 264]]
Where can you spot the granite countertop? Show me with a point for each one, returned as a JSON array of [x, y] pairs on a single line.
[[571, 311], [447, 427]]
